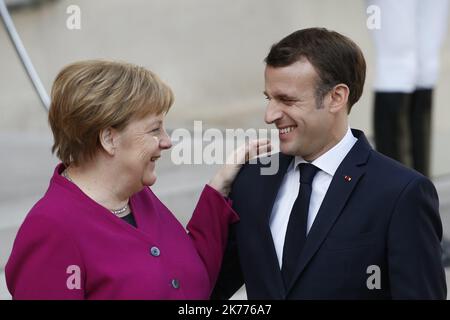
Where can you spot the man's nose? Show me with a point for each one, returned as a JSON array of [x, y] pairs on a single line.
[[273, 112]]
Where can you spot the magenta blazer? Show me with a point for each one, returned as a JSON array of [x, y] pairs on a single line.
[[70, 247]]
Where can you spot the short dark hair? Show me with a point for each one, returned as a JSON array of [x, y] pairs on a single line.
[[336, 59]]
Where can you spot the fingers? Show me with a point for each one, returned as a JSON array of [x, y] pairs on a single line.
[[249, 150], [256, 148]]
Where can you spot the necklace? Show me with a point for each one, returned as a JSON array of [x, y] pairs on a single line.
[[122, 212]]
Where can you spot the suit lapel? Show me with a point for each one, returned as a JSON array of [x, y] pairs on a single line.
[[338, 193], [271, 186], [268, 193]]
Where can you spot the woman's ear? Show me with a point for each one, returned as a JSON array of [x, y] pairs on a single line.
[[339, 98], [108, 140]]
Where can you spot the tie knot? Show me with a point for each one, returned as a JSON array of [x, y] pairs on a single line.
[[307, 172]]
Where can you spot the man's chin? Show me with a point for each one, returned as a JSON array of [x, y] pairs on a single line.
[[288, 149]]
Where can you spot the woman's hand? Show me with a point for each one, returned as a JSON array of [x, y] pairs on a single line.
[[225, 176]]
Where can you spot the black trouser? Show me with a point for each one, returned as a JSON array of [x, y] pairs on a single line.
[[402, 124]]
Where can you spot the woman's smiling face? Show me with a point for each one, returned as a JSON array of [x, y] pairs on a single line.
[[138, 147]]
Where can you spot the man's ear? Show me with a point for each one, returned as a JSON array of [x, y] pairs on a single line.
[[108, 140], [339, 98]]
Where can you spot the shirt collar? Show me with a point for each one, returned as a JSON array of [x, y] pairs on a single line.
[[330, 160]]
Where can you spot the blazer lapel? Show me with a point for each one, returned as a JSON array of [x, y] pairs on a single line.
[[271, 185], [339, 191], [266, 198]]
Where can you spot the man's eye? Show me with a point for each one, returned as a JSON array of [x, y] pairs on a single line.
[[155, 130]]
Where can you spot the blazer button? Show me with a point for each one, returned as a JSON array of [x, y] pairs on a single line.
[[155, 251], [175, 283]]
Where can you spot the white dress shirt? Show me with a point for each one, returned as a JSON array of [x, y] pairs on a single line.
[[328, 164]]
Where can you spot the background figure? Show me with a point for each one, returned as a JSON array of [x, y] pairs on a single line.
[[407, 55]]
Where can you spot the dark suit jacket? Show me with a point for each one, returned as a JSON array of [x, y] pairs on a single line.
[[386, 216]]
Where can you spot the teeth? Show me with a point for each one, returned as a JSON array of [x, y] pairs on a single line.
[[286, 130]]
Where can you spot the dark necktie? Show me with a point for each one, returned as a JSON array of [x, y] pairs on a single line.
[[296, 230]]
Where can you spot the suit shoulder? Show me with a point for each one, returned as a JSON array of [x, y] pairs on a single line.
[[387, 168], [59, 208], [261, 167]]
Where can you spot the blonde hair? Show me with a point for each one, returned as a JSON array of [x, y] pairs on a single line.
[[90, 96]]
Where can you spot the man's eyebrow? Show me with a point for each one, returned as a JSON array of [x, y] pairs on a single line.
[[281, 96], [286, 97]]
